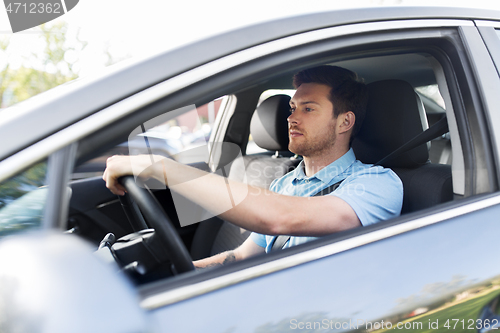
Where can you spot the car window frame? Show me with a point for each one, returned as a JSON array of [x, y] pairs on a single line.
[[60, 163], [480, 79], [210, 85], [489, 33]]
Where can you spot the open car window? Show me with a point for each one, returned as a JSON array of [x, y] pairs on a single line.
[[449, 165], [184, 133]]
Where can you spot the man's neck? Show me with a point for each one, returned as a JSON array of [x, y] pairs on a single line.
[[314, 164]]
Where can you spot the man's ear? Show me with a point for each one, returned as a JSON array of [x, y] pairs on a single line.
[[346, 121]]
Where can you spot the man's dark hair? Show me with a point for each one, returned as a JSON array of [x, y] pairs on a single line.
[[348, 92]]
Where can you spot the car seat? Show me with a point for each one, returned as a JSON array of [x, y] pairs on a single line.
[[394, 116]]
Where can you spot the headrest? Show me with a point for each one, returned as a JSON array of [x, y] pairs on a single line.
[[394, 115], [269, 125]]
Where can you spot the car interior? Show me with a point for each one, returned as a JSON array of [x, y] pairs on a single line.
[[405, 99], [395, 115]]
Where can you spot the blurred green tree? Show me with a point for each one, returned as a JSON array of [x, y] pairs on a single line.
[[52, 65], [4, 79]]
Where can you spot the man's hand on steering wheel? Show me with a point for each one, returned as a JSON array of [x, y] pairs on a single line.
[[145, 166], [119, 179]]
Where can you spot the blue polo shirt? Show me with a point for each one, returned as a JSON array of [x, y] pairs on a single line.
[[374, 193]]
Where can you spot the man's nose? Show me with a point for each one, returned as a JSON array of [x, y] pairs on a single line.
[[292, 118]]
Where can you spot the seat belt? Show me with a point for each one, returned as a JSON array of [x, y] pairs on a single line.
[[281, 240], [436, 130]]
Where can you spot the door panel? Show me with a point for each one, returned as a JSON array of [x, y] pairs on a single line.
[[445, 271]]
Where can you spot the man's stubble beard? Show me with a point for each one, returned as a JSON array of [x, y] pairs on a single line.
[[317, 148]]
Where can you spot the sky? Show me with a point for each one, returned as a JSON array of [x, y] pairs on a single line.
[[141, 28]]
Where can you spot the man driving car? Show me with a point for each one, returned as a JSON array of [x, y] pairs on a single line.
[[327, 110]]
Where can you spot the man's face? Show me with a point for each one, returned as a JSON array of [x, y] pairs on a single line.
[[311, 126]]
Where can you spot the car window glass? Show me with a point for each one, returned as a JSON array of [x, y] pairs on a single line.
[[252, 147], [432, 92], [440, 151], [22, 200], [174, 134], [190, 130]]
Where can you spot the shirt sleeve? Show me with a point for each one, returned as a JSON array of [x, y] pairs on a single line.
[[375, 194], [272, 186], [259, 239]]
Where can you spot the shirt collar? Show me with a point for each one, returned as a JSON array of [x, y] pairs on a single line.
[[330, 171]]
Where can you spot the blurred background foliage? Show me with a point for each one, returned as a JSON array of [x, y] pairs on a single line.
[[54, 65], [22, 200], [50, 56], [23, 183]]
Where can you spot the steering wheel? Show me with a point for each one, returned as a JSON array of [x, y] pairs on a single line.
[[159, 221]]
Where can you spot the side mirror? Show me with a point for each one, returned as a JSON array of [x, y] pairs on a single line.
[[51, 282]]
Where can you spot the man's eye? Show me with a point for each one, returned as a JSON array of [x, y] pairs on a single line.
[[308, 109], [292, 110]]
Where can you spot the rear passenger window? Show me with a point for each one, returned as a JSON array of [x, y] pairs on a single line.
[[440, 148], [175, 138]]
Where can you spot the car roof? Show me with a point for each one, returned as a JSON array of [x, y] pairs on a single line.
[[38, 117]]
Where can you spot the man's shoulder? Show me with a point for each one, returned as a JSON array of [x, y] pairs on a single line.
[[362, 171], [375, 193]]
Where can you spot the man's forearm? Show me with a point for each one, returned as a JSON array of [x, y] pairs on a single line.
[[233, 201], [259, 209], [247, 206], [217, 260]]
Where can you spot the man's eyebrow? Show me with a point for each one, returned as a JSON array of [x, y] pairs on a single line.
[[304, 103]]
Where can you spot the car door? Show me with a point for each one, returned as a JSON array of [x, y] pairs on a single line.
[[432, 269]]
